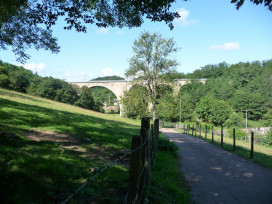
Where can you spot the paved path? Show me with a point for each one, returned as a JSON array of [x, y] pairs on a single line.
[[218, 176]]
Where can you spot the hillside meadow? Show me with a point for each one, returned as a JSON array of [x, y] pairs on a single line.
[[48, 149]]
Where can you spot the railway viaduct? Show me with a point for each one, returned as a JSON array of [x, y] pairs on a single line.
[[118, 87]]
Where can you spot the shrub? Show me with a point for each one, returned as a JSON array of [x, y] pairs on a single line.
[[267, 140], [235, 120]]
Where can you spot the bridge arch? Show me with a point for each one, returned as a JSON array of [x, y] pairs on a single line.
[[118, 87]]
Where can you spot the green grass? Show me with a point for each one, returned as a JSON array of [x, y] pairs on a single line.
[[262, 154], [167, 183], [46, 171]]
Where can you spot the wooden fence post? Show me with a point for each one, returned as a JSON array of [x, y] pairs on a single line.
[[234, 139], [151, 144], [205, 132], [145, 128], [222, 135], [134, 169], [156, 131], [212, 135], [252, 145], [195, 129]]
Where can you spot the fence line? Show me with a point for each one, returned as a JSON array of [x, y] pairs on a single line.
[[142, 161], [186, 129]]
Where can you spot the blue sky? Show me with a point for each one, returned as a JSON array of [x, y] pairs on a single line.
[[209, 32]]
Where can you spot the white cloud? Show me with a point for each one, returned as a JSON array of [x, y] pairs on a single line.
[[34, 67], [76, 76], [183, 19], [102, 30], [226, 46]]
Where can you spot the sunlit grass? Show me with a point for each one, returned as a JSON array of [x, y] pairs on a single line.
[[47, 171]]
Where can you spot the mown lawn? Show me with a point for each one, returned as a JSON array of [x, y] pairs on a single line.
[[70, 145]]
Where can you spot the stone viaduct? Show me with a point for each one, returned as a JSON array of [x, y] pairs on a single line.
[[118, 87]]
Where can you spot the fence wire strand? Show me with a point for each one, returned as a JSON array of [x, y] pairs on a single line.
[[110, 164], [144, 169]]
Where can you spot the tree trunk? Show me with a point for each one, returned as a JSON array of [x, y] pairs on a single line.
[[154, 111]]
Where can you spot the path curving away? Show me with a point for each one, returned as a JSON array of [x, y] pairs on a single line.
[[218, 176]]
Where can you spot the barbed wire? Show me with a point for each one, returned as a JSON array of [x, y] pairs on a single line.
[[110, 164], [138, 184]]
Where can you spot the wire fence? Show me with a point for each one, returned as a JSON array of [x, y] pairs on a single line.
[[142, 155], [141, 161], [217, 134]]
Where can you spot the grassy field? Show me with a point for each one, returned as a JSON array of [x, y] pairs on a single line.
[[48, 149], [262, 154]]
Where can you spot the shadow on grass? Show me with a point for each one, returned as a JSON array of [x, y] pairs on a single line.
[[41, 172], [44, 172]]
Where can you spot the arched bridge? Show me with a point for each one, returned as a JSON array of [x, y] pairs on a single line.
[[118, 87]]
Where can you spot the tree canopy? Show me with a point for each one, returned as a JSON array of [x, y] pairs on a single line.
[[27, 23], [151, 60], [267, 3], [114, 77]]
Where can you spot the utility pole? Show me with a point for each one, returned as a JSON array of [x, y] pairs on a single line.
[[246, 116], [109, 99], [179, 109]]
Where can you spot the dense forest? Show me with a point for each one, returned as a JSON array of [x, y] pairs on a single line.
[[23, 80], [229, 92]]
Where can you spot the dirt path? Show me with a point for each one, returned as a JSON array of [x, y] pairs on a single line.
[[218, 176]]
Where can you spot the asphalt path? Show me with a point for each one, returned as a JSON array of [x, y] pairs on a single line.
[[218, 176]]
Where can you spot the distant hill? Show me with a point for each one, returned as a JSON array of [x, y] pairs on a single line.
[[114, 77]]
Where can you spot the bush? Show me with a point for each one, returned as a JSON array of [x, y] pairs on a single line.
[[235, 120], [238, 133], [268, 138], [268, 118]]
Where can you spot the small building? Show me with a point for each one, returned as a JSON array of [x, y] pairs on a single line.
[[115, 102], [105, 104]]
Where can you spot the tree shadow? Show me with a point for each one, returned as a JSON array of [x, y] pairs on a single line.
[[46, 171]]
